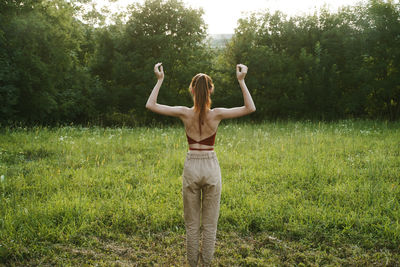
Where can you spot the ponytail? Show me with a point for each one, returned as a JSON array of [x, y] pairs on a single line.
[[201, 87]]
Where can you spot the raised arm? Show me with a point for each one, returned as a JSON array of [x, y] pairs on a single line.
[[249, 107], [176, 111]]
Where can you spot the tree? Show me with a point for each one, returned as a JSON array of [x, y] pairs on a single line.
[[157, 31], [321, 66], [42, 76]]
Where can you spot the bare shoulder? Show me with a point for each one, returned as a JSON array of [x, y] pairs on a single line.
[[185, 113], [217, 110], [183, 110], [217, 113]]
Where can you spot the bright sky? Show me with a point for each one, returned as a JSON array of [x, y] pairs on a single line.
[[222, 15]]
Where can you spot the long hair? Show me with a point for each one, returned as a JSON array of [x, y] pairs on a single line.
[[200, 88]]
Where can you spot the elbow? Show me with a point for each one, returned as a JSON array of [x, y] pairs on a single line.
[[151, 106], [252, 109]]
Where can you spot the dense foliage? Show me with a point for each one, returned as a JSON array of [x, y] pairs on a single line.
[[56, 67], [323, 66]]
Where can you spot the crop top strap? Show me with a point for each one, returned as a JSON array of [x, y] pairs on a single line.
[[210, 141]]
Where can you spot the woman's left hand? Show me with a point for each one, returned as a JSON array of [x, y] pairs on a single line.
[[159, 73]]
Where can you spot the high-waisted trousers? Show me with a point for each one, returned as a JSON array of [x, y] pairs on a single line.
[[201, 191]]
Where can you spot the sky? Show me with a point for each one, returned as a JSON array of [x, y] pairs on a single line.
[[221, 15]]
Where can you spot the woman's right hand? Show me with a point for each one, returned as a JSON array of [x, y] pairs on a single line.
[[241, 71], [159, 73]]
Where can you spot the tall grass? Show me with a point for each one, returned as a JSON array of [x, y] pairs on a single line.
[[315, 183]]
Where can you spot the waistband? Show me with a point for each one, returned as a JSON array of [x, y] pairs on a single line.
[[201, 149], [195, 154]]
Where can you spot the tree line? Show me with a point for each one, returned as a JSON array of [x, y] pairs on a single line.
[[60, 63]]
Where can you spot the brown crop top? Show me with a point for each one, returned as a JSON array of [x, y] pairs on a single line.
[[209, 141]]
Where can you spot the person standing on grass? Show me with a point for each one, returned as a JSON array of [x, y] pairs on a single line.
[[201, 179]]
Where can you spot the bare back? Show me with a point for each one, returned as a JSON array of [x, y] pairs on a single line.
[[191, 122], [212, 117]]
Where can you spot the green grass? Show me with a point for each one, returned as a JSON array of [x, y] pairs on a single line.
[[299, 193]]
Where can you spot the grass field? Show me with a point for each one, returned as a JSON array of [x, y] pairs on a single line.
[[293, 193]]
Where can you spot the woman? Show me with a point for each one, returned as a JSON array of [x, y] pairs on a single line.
[[201, 181]]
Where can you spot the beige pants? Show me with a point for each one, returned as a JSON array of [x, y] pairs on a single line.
[[201, 191]]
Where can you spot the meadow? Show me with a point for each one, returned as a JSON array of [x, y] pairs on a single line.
[[293, 193]]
